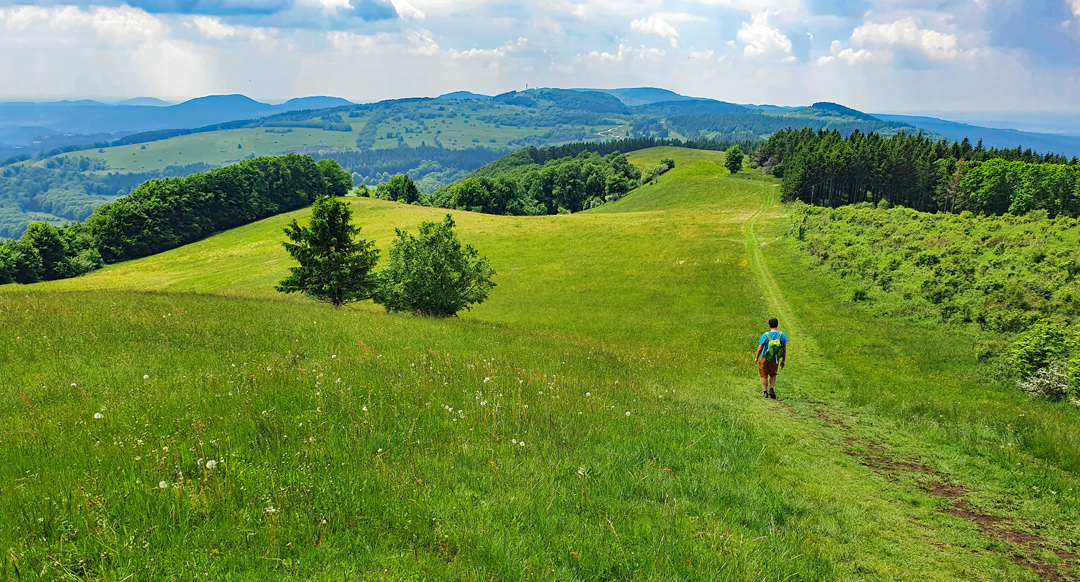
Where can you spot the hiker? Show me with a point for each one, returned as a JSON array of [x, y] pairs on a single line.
[[771, 356]]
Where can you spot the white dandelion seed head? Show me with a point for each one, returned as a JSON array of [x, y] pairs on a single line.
[[521, 443], [332, 356], [627, 413], [98, 416], [514, 441], [211, 465], [163, 485], [73, 385], [164, 449], [588, 394], [146, 376]]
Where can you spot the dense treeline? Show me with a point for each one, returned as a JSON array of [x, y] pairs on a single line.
[[1015, 276], [753, 126], [825, 168], [165, 213], [562, 185], [540, 156]]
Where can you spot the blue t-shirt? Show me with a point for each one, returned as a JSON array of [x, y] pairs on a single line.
[[770, 335]]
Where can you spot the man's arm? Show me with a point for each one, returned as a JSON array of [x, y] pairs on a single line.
[[760, 347]]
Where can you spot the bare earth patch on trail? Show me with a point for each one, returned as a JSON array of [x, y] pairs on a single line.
[[1026, 547]]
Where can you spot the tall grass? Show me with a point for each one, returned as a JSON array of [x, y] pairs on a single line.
[[596, 419]]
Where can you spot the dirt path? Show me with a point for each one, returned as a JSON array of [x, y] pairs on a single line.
[[1021, 546]]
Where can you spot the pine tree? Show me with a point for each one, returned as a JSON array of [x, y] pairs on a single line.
[[333, 267]]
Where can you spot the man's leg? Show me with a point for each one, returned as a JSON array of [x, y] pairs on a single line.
[[772, 386], [765, 385]]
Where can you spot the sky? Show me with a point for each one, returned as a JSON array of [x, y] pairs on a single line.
[[874, 55]]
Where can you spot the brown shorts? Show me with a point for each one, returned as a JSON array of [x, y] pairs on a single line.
[[767, 369]]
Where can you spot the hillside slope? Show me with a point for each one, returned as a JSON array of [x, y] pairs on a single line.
[[597, 418]]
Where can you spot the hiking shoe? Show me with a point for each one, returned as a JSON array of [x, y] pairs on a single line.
[[772, 394], [765, 395]]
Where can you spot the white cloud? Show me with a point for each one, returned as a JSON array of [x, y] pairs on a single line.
[[659, 26], [328, 6], [591, 9], [847, 55], [102, 50], [422, 42], [213, 28], [406, 10], [121, 25], [907, 33], [624, 54], [495, 53], [761, 40], [1075, 5]]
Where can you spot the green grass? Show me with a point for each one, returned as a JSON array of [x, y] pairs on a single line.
[[411, 467], [217, 148]]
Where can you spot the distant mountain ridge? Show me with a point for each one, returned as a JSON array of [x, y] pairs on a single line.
[[1066, 145], [92, 117]]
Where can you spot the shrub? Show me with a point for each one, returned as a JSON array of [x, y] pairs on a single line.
[[1051, 382], [1035, 349], [432, 273]]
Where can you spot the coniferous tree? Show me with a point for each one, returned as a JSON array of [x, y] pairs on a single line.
[[333, 267]]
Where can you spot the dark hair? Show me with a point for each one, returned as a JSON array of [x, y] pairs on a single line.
[[773, 322]]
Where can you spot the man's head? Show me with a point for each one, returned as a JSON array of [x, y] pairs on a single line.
[[774, 323]]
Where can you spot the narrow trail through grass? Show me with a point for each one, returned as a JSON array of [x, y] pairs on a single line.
[[769, 288]]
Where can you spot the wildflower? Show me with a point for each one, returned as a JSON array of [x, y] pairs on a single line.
[[588, 394], [211, 464], [514, 441], [164, 449], [163, 485], [521, 443], [488, 379], [98, 416], [365, 409], [332, 356], [73, 385], [146, 376], [627, 413]]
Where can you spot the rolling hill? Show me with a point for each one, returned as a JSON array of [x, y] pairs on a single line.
[[597, 418], [435, 141]]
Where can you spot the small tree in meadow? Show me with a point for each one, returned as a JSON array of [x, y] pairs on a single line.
[[733, 160], [333, 267], [432, 273]]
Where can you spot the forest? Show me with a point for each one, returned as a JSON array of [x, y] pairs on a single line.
[[828, 169], [165, 213]]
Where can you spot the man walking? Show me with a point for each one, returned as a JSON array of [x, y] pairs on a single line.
[[771, 356]]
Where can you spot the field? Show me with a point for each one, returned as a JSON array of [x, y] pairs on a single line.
[[453, 124], [599, 418]]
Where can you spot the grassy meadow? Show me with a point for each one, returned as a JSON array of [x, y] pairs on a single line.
[[599, 418]]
